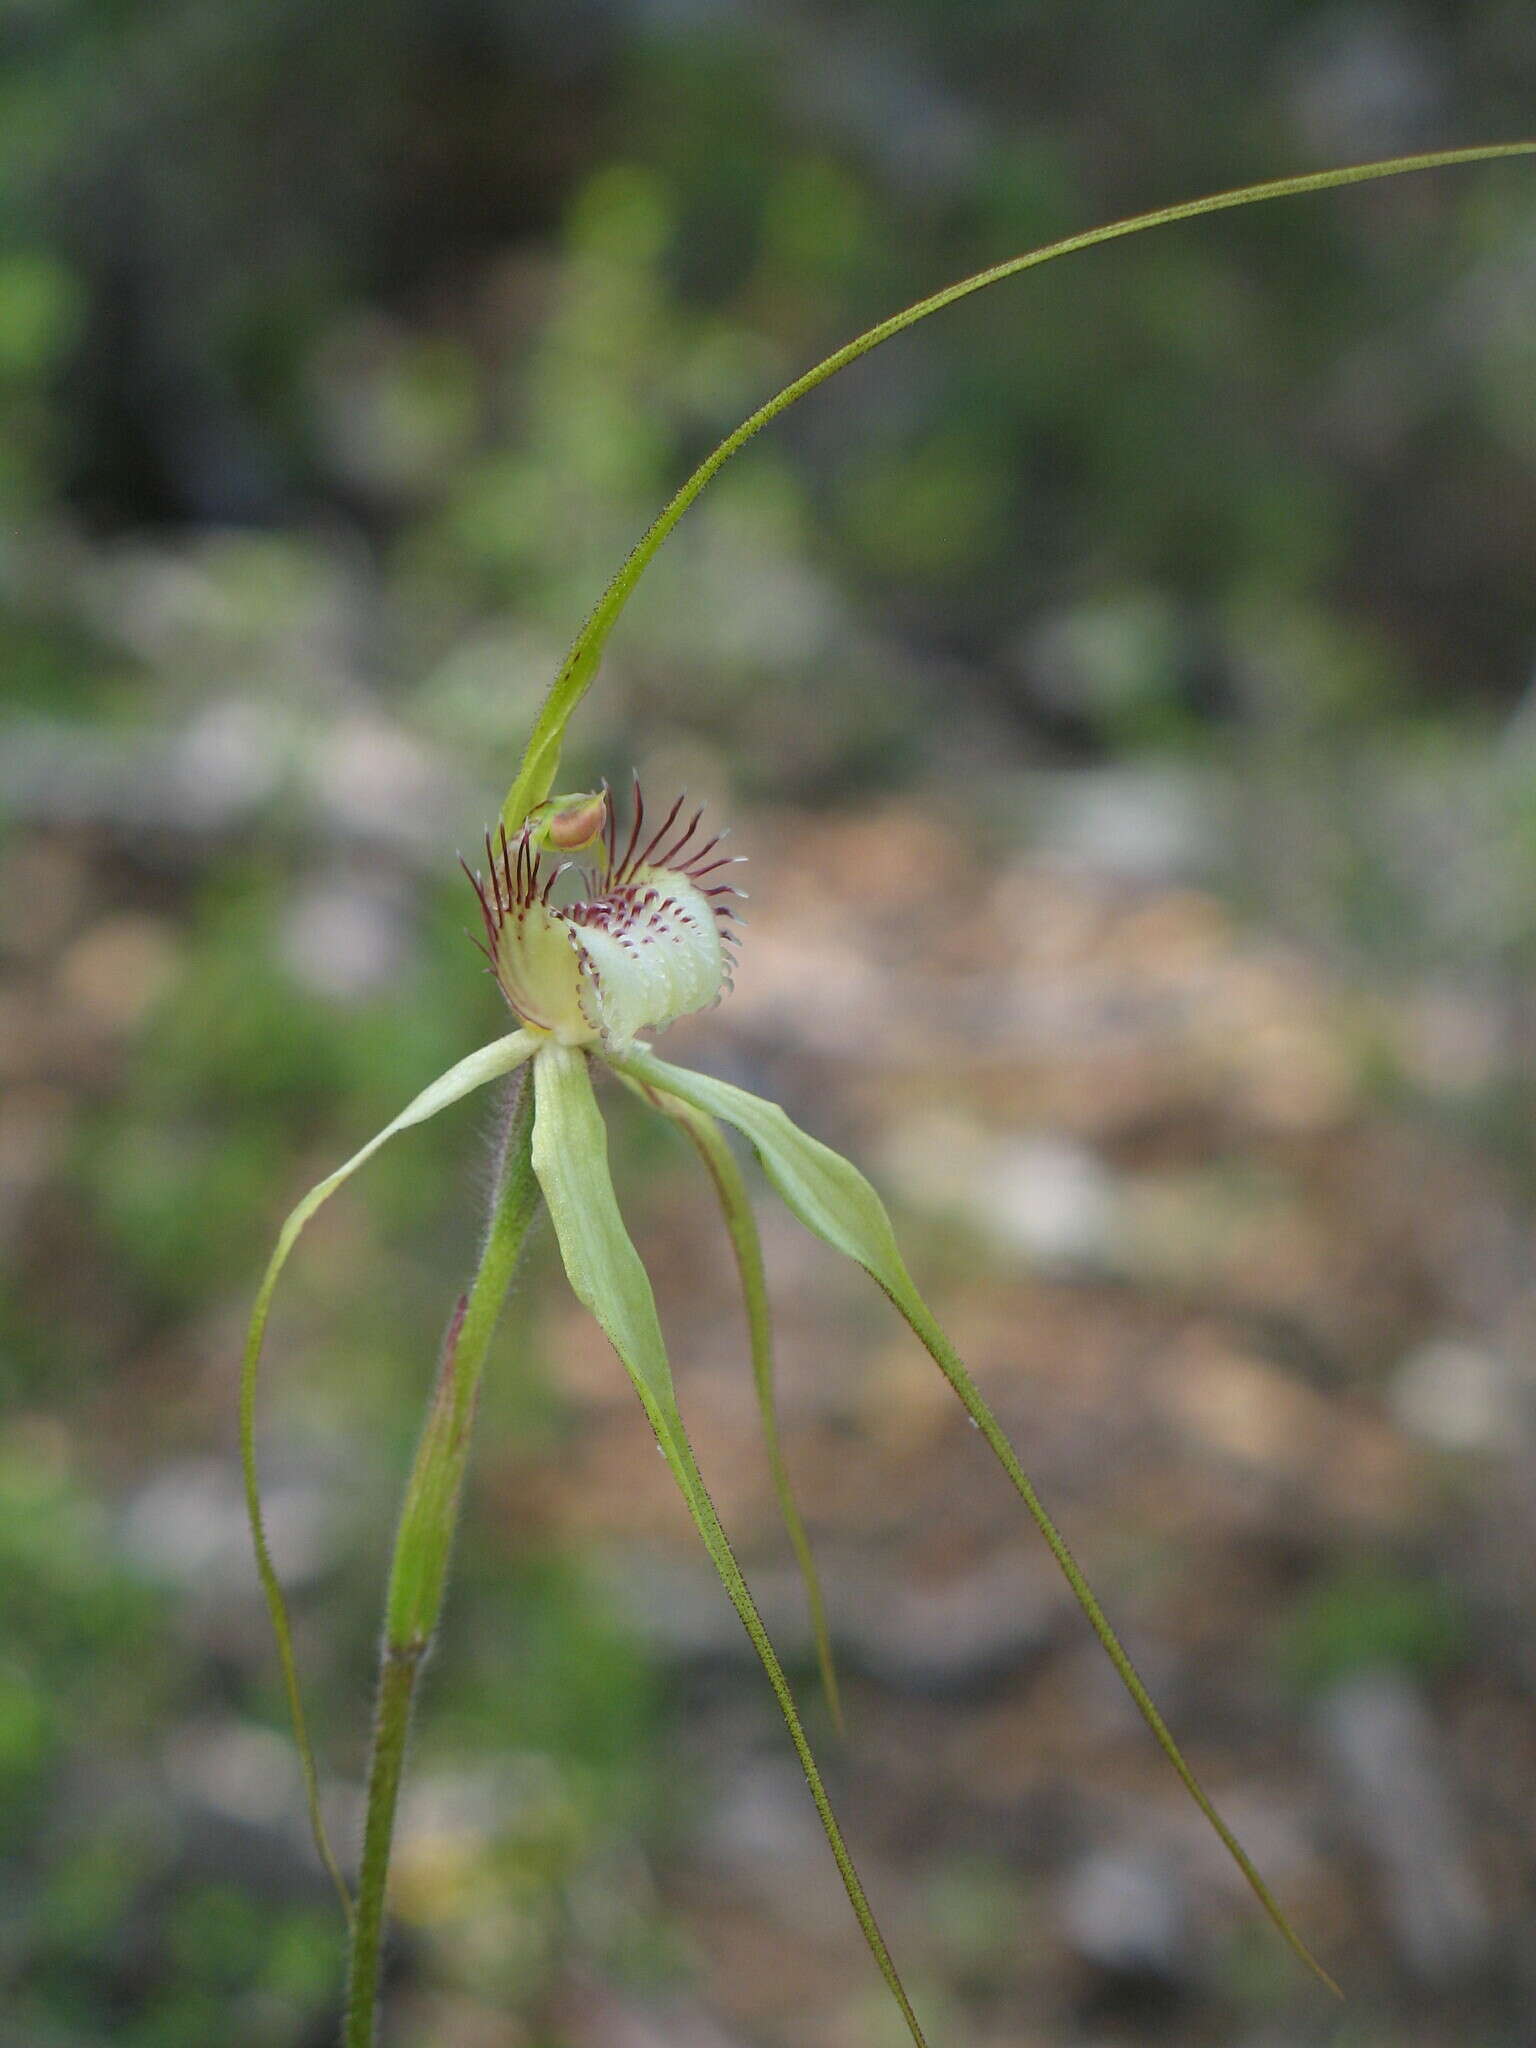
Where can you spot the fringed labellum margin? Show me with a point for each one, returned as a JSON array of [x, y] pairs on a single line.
[[645, 942]]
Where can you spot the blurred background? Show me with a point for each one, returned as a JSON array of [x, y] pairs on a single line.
[[1124, 689]]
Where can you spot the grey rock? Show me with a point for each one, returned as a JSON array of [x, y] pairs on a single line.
[[603, 2014], [1141, 825], [1040, 1193], [962, 1632], [187, 1526], [1457, 1396], [1396, 1797], [1126, 1911], [346, 938]]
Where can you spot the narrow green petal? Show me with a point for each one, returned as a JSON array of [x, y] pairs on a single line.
[[541, 760], [833, 1199], [735, 1205], [469, 1074], [570, 1157]]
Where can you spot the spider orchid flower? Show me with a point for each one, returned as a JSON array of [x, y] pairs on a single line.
[[589, 956], [645, 942], [587, 965]]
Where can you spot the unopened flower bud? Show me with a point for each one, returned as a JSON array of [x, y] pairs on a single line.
[[568, 824]]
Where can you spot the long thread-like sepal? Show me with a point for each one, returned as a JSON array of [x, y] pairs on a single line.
[[736, 1207], [570, 1157], [541, 759], [471, 1073], [833, 1199]]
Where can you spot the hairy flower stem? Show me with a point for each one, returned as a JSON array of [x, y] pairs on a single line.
[[423, 1546], [399, 1668]]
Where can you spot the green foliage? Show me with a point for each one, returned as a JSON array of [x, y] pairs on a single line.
[[550, 1668], [92, 1671], [69, 1611], [1364, 1615]]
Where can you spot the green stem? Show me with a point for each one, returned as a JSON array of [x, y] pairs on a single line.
[[423, 1546], [398, 1672], [535, 777]]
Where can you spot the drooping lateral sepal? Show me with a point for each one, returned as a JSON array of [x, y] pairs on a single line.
[[835, 1201], [725, 1174], [570, 1157], [462, 1079]]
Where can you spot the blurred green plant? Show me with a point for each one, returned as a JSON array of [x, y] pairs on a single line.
[[1364, 1615], [99, 1917], [68, 1611], [646, 943]]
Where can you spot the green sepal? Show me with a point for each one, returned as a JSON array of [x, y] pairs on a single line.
[[541, 759], [570, 1157], [833, 1199], [473, 1072], [735, 1206]]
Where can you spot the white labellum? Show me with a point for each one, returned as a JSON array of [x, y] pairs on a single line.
[[645, 943]]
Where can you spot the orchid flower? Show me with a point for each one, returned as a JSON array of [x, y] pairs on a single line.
[[593, 947]]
